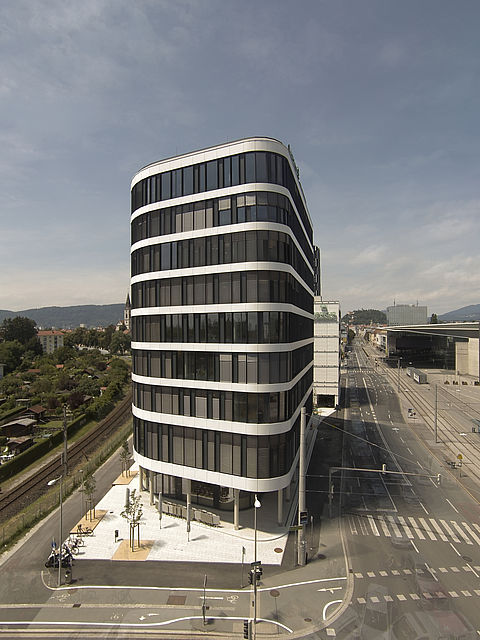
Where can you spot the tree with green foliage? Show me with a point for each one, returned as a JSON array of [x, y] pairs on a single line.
[[365, 316], [120, 343], [434, 319], [133, 513], [350, 336], [11, 352], [89, 488], [18, 328], [125, 457]]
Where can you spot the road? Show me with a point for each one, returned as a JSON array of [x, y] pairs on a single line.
[[413, 544]]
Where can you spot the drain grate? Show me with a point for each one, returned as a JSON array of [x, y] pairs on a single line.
[[77, 605], [176, 600]]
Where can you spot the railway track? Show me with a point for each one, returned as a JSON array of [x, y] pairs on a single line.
[[13, 501], [454, 431]]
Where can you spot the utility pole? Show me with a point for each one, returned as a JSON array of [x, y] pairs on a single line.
[[65, 461], [436, 412], [398, 375], [301, 555]]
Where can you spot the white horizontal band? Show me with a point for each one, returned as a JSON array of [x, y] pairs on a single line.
[[238, 307], [221, 347]]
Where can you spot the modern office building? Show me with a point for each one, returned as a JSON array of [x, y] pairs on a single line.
[[222, 321], [403, 314], [326, 371]]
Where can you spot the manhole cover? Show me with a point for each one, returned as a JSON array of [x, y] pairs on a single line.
[[307, 619], [467, 558], [274, 593], [321, 556], [278, 550], [176, 600], [77, 604]]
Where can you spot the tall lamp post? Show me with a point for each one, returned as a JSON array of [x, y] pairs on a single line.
[[51, 483], [257, 504]]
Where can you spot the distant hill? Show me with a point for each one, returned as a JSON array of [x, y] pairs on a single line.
[[91, 315], [464, 314]]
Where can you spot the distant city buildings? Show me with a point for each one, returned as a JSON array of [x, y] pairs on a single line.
[[222, 312], [406, 314], [50, 340]]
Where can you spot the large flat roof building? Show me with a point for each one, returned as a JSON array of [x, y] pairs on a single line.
[[404, 314], [222, 321]]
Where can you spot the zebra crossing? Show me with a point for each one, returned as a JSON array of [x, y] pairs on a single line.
[[410, 528]]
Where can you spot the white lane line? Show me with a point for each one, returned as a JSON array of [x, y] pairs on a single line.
[[384, 527], [449, 531], [437, 528], [471, 532], [407, 529], [452, 505], [423, 507], [410, 451], [474, 524], [457, 552], [461, 533], [373, 525], [426, 528], [476, 592], [393, 524], [416, 529]]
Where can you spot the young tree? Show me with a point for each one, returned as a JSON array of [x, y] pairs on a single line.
[[133, 514], [89, 487], [124, 457]]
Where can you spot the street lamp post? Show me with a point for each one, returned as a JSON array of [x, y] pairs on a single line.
[[50, 483]]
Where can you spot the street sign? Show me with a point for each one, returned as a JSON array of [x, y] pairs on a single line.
[[303, 517]]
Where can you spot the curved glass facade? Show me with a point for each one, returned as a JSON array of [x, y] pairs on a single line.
[[239, 263]]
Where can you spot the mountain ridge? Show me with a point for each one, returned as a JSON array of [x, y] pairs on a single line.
[[90, 315]]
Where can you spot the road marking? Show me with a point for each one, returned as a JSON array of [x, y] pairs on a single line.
[[359, 575], [402, 521], [384, 527], [437, 528], [376, 599], [476, 592], [471, 532], [426, 595], [467, 594], [449, 531], [461, 533], [427, 529], [416, 529], [401, 597], [361, 601], [395, 572], [331, 631], [396, 530], [383, 573], [371, 574], [457, 552], [373, 525], [443, 570], [410, 451], [455, 569], [452, 505], [453, 594], [407, 572], [388, 599], [423, 507], [414, 596], [476, 526], [353, 528]]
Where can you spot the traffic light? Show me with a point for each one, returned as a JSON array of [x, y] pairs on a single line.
[[259, 572]]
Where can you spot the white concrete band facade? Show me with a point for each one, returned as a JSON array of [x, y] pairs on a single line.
[[222, 320]]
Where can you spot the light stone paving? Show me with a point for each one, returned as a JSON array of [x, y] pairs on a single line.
[[170, 541]]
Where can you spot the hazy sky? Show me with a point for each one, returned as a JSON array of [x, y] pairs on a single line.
[[379, 100]]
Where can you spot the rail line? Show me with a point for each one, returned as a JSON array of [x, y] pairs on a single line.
[[449, 429], [11, 502]]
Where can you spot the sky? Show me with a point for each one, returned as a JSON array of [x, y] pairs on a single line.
[[379, 100]]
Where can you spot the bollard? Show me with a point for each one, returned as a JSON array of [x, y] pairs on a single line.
[[116, 535]]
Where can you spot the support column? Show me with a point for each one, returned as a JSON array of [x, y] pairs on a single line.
[[189, 506], [150, 484], [140, 479], [236, 508], [280, 507], [287, 492]]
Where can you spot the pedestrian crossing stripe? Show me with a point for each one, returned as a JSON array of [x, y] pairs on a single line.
[[395, 526], [402, 597], [395, 572]]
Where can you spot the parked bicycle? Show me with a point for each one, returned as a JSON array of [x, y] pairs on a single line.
[[84, 531]]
